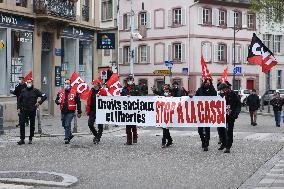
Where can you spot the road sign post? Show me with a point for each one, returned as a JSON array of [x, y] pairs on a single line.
[[169, 64]]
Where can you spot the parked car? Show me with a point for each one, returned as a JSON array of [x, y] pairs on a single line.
[[268, 95], [243, 94], [281, 91]]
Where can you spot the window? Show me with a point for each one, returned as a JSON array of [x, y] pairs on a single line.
[[106, 9], [206, 51], [177, 51], [266, 40], [126, 21], [143, 19], [86, 60], [238, 53], [1, 1], [237, 84], [106, 52], [126, 54], [268, 81], [251, 21], [159, 84], [222, 52], [206, 16], [177, 16], [222, 18], [143, 53], [238, 19], [277, 43], [21, 3], [279, 79], [85, 10]]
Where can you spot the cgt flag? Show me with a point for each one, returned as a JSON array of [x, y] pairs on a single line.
[[224, 76], [205, 71], [261, 55], [78, 84], [28, 76], [113, 85]]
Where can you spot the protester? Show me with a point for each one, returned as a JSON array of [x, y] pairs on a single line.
[[27, 106], [206, 89], [144, 89], [167, 139], [91, 111], [68, 99], [184, 92], [277, 103], [253, 103], [175, 90], [17, 92], [233, 105], [131, 90]]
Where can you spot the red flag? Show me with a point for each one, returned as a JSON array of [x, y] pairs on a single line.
[[205, 72], [113, 85], [261, 55], [224, 76], [28, 76], [78, 84]]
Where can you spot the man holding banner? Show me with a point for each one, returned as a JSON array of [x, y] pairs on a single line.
[[68, 99], [131, 90]]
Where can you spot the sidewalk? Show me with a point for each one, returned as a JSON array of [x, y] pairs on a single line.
[[260, 112]]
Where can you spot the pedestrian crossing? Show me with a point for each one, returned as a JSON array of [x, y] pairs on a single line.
[[13, 186]]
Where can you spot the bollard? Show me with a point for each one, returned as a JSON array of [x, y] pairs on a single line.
[[1, 120], [38, 121], [75, 128], [106, 127]]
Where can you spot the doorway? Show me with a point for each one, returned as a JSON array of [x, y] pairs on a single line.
[[250, 84]]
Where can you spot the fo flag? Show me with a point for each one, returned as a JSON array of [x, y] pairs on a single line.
[[261, 55], [78, 84], [205, 72], [113, 85]]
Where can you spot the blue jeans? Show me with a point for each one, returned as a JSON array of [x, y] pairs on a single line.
[[66, 124], [277, 115]]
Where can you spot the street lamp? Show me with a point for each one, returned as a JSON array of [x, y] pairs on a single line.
[[234, 52], [131, 39]]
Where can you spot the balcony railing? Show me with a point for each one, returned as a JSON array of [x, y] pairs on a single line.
[[85, 13], [57, 8]]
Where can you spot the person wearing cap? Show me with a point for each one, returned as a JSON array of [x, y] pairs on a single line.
[[130, 89], [27, 106], [206, 89], [69, 100], [233, 109], [253, 103], [17, 92], [91, 110], [277, 103]]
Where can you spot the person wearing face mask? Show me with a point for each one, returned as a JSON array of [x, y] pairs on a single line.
[[253, 103], [27, 106], [91, 110], [68, 99], [175, 90], [206, 89], [277, 103], [131, 90], [233, 109]]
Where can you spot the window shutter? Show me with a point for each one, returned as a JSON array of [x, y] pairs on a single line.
[[148, 54], [183, 52], [281, 44], [136, 55], [230, 19], [200, 15], [203, 51], [229, 53], [170, 52], [149, 20], [170, 18], [215, 17], [245, 53], [271, 43], [215, 50], [240, 53], [136, 21], [244, 20], [120, 58], [208, 52], [183, 17], [120, 23]]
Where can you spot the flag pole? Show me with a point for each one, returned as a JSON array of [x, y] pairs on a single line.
[[234, 59], [131, 39]]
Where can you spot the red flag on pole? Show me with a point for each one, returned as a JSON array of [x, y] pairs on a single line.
[[28, 76], [205, 72], [113, 85], [78, 84], [224, 76]]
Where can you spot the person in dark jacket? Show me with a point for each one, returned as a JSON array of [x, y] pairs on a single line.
[[184, 92], [175, 90], [206, 89], [68, 99], [233, 109], [277, 103], [253, 103], [131, 90], [91, 111], [27, 106], [17, 92]]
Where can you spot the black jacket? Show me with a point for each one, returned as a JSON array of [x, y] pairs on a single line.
[[18, 90], [277, 104], [93, 100], [234, 106], [28, 99], [253, 102], [203, 91], [65, 105], [131, 90], [176, 92]]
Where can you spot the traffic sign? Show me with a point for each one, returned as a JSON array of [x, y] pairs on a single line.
[[169, 63], [163, 72], [104, 75], [237, 70]]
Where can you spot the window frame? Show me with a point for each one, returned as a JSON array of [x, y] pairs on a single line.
[[145, 55], [279, 79], [251, 25], [209, 21], [177, 20], [219, 59], [237, 19], [144, 19], [126, 55], [178, 59], [278, 45], [105, 15], [224, 24], [126, 21]]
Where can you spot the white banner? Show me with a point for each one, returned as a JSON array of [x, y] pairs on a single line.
[[162, 111]]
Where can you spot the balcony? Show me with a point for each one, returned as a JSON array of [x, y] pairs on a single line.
[[85, 13], [55, 8]]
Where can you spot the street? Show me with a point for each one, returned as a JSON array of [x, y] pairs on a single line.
[[145, 165]]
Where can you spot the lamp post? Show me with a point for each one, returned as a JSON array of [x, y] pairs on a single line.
[[131, 39], [234, 55]]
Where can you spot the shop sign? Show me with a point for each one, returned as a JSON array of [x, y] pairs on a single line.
[[105, 41], [9, 20], [163, 72], [57, 52], [78, 33], [2, 45], [57, 76]]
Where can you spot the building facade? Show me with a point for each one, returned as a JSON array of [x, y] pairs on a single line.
[[44, 36], [182, 31]]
